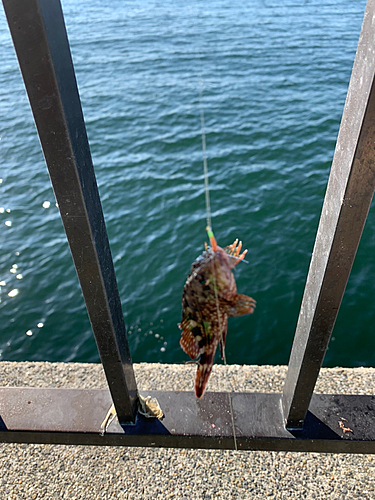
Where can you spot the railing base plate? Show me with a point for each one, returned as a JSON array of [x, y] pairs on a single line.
[[74, 416]]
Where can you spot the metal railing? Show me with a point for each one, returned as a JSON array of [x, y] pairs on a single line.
[[296, 420]]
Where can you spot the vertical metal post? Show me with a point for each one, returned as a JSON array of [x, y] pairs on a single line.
[[39, 36], [349, 193]]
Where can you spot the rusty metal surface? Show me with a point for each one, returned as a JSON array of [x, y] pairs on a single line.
[[39, 36], [349, 194], [74, 416]]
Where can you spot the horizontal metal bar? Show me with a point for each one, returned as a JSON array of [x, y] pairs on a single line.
[[348, 198], [74, 416], [39, 36]]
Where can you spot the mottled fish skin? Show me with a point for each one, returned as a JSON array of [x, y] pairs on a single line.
[[208, 298]]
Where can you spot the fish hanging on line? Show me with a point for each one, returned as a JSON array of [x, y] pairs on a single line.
[[208, 298]]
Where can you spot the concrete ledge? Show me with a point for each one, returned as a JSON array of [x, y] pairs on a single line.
[[48, 471], [156, 376]]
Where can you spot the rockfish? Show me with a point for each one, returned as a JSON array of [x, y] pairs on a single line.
[[208, 298]]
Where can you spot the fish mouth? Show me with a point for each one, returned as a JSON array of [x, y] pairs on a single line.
[[211, 238]]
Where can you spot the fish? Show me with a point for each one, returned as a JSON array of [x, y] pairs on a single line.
[[209, 297]]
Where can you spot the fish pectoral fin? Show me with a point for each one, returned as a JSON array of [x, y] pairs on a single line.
[[241, 305], [189, 344]]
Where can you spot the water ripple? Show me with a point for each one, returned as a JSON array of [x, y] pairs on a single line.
[[274, 79]]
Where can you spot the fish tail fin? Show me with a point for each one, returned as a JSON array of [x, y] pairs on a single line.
[[203, 373]]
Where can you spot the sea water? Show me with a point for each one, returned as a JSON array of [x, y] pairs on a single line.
[[274, 78]]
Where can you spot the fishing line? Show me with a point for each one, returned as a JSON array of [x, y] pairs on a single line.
[[225, 362], [224, 356], [205, 168], [210, 232]]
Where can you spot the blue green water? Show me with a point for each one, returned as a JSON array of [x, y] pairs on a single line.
[[274, 77]]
